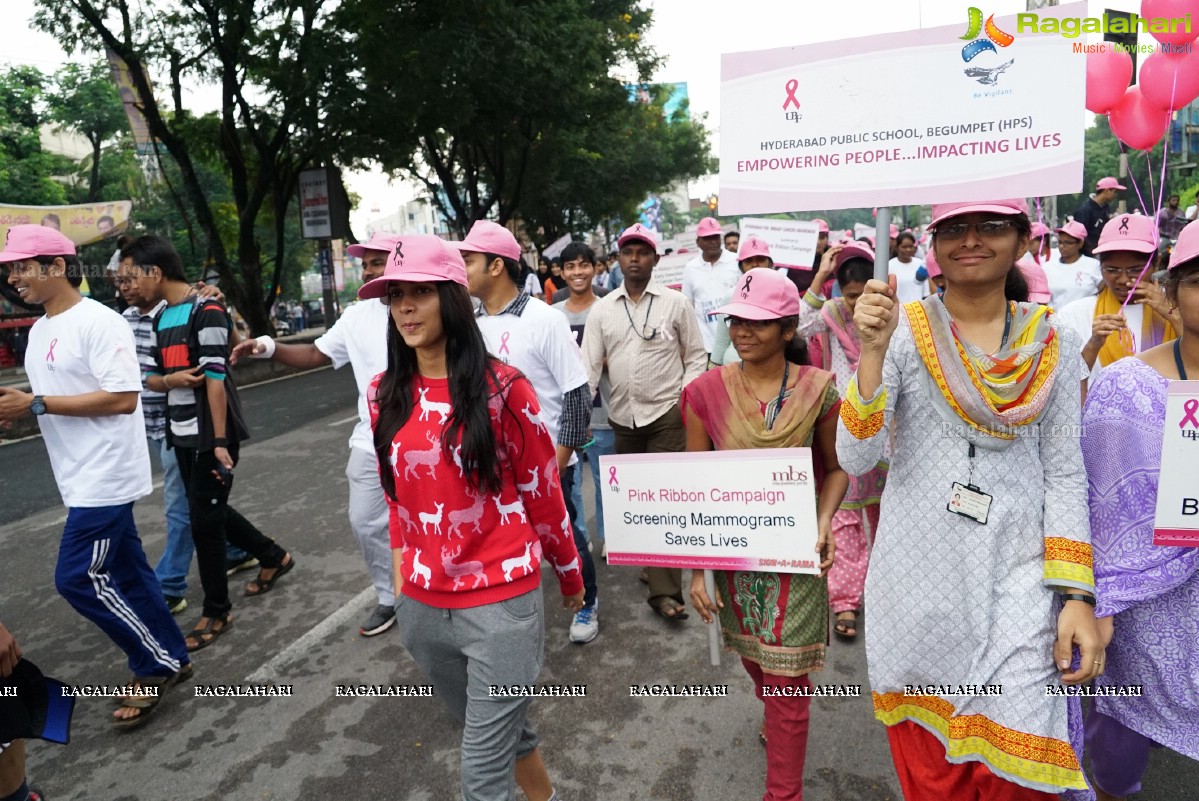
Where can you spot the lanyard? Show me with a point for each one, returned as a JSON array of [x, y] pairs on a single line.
[[1182, 370], [1007, 327], [771, 417], [633, 326]]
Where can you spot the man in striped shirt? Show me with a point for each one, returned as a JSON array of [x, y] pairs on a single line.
[[205, 426]]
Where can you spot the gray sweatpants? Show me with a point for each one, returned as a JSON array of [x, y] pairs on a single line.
[[466, 651], [368, 519]]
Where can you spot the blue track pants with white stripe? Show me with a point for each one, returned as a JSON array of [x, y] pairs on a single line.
[[103, 573]]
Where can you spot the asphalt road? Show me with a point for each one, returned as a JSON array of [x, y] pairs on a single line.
[[315, 745]]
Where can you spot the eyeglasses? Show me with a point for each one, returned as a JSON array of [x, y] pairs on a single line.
[[1129, 272], [121, 280], [987, 229], [752, 325]]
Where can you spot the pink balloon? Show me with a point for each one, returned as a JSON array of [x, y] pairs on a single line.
[[1170, 83], [1136, 122], [1108, 75], [1173, 9]]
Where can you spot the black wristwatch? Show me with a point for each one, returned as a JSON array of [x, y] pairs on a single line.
[[38, 406]]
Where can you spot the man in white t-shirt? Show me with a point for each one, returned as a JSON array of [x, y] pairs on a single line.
[[82, 365], [536, 339], [1126, 243], [359, 339], [708, 279], [1072, 275]]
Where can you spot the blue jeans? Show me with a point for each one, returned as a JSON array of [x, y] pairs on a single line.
[[605, 445], [576, 498], [172, 567]]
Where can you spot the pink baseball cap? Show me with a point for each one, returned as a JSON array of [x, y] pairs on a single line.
[[753, 246], [1039, 230], [1038, 282], [893, 231], [708, 226], [853, 250], [1109, 183], [762, 294], [639, 233], [380, 240], [488, 237], [418, 257], [1135, 232], [943, 211], [30, 241], [1187, 246], [821, 225], [930, 264], [1074, 229]]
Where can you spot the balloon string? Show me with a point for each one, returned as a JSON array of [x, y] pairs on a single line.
[[1155, 211]]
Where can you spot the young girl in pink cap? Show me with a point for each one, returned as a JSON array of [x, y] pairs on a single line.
[[471, 478], [776, 622], [1072, 275], [1148, 594], [980, 592]]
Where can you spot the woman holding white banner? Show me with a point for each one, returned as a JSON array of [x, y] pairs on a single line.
[[980, 589], [776, 622], [1148, 594]]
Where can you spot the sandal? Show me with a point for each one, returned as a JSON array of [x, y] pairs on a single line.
[[145, 704], [261, 586], [677, 610], [846, 628], [643, 576], [205, 636]]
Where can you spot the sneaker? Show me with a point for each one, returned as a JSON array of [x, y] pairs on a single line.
[[37, 795], [585, 626], [383, 618], [236, 567], [176, 605]]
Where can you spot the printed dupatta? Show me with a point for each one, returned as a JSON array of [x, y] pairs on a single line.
[[1155, 330], [994, 394]]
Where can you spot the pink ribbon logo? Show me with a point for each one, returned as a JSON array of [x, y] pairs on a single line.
[[504, 343], [1190, 407], [613, 484], [50, 353], [792, 85]]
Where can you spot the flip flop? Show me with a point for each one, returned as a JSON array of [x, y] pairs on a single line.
[[843, 626], [261, 586], [146, 704], [679, 611]]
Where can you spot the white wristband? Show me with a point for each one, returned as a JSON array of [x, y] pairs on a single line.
[[268, 343]]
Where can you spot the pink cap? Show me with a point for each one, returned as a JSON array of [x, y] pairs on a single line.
[[1038, 282], [1109, 183], [708, 226], [943, 211], [419, 257], [752, 246], [930, 264], [1135, 232], [1074, 229], [639, 233], [1039, 230], [821, 225], [380, 240], [488, 237], [1187, 247], [894, 231], [30, 241], [762, 294], [853, 250]]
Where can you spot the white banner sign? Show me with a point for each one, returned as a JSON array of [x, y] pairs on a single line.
[[822, 127], [723, 510], [316, 217], [1177, 518], [669, 269], [792, 242], [554, 250]]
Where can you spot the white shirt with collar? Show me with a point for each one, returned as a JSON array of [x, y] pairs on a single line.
[[707, 286]]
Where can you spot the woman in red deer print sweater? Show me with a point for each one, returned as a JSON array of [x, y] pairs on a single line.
[[471, 478]]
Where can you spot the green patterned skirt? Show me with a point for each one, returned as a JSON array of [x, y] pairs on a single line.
[[778, 620]]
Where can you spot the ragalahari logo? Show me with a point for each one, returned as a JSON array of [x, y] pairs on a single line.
[[981, 38]]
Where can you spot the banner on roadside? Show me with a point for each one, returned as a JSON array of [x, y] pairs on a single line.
[[83, 223], [792, 242], [822, 126]]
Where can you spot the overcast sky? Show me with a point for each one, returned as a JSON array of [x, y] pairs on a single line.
[[690, 34]]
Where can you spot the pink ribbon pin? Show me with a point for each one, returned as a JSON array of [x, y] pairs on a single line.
[[612, 475], [50, 353], [1190, 407], [792, 85], [504, 343]]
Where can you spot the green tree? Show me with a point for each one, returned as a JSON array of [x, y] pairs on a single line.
[[85, 100], [28, 174]]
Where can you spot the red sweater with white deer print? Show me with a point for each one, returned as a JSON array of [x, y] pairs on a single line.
[[463, 549]]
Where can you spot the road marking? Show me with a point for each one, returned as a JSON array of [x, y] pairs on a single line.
[[303, 646], [4, 442], [248, 387], [343, 422]]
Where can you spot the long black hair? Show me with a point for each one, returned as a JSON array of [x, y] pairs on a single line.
[[473, 381]]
